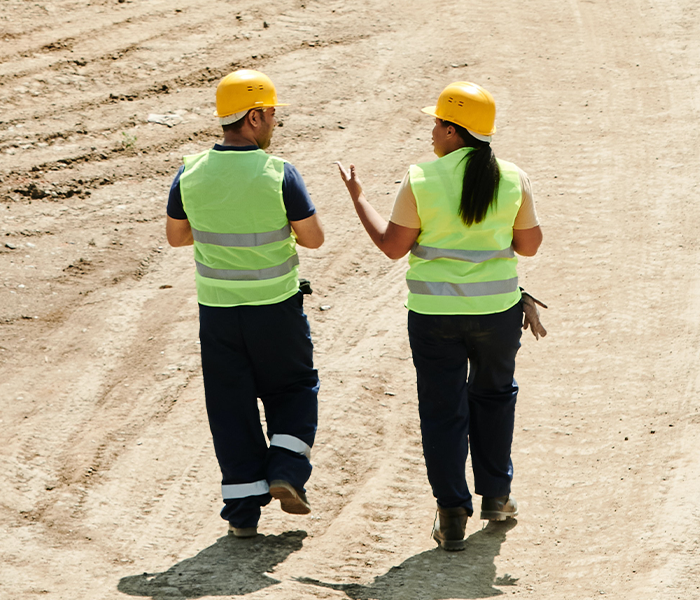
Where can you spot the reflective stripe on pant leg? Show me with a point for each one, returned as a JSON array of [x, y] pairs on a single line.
[[234, 491], [289, 442]]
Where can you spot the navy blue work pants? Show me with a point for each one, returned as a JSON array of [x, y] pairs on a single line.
[[251, 352], [466, 398]]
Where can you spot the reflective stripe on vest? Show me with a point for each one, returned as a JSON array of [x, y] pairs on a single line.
[[248, 275], [289, 442], [455, 269], [470, 290], [244, 250], [473, 256], [241, 240], [234, 491]]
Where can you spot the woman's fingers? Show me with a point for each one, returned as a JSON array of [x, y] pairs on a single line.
[[340, 169], [348, 175], [345, 174]]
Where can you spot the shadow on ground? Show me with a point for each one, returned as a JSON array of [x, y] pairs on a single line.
[[438, 575], [230, 567]]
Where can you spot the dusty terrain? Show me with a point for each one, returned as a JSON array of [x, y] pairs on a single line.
[[109, 487]]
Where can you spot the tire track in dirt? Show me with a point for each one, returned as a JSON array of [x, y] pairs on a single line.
[[98, 401], [91, 76], [614, 211], [611, 257]]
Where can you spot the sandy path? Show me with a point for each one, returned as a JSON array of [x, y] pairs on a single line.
[[108, 478]]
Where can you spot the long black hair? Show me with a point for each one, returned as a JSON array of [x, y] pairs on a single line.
[[481, 178]]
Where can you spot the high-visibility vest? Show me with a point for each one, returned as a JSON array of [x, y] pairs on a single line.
[[243, 247], [455, 269]]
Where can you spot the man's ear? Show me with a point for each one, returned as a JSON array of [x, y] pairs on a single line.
[[253, 117]]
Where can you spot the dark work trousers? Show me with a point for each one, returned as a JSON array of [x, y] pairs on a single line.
[[466, 398], [265, 352]]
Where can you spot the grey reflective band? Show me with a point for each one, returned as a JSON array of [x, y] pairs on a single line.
[[282, 440], [244, 490], [249, 275], [444, 288], [473, 256], [241, 240]]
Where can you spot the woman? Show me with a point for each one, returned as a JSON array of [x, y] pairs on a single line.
[[463, 217]]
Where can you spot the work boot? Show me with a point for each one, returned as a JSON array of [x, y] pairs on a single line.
[[292, 500], [498, 509], [448, 530], [242, 532]]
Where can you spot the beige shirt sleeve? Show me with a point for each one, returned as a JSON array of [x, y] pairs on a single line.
[[527, 215], [405, 211]]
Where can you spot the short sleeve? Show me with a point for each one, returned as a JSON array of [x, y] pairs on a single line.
[[405, 211], [297, 201], [527, 215], [175, 209]]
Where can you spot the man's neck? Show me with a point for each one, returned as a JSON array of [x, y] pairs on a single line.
[[238, 139]]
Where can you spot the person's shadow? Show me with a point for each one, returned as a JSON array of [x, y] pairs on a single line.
[[230, 567], [436, 574]]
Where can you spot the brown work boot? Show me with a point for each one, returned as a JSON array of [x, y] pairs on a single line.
[[448, 530], [498, 509], [292, 500], [242, 532]]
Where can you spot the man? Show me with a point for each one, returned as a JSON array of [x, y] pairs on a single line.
[[244, 211]]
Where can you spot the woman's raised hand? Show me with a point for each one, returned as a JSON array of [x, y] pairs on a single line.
[[352, 182]]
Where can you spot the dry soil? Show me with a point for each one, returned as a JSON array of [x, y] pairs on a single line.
[[109, 487]]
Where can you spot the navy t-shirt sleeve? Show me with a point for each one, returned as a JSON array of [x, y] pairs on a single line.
[[175, 209], [296, 198]]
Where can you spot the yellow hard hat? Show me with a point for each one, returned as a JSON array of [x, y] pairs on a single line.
[[469, 105], [242, 90]]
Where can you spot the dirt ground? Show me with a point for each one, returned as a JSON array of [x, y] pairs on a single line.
[[109, 488]]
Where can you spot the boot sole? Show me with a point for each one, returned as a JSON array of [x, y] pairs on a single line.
[[243, 532], [290, 501], [494, 515], [451, 545]]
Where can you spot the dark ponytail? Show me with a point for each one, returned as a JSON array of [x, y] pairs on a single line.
[[481, 178]]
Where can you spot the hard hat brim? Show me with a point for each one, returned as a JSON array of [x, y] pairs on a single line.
[[216, 113], [432, 111]]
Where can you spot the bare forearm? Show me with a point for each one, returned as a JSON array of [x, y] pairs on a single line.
[[178, 232], [375, 225], [526, 242], [309, 232], [393, 240]]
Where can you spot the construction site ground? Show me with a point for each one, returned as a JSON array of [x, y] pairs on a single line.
[[109, 487]]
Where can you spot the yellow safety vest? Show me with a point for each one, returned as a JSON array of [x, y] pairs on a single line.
[[243, 247], [455, 269]]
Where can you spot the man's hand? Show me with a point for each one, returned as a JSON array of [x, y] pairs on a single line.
[[531, 315]]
